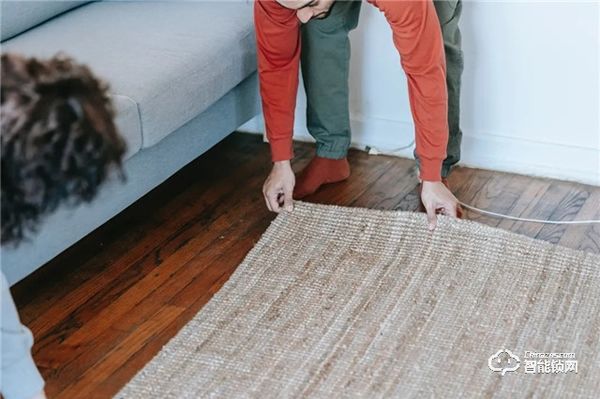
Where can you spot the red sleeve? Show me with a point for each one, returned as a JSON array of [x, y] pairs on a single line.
[[278, 40], [418, 38]]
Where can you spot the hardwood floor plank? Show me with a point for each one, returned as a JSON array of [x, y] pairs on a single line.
[[84, 387], [591, 239], [493, 196], [544, 207], [243, 240], [460, 176], [208, 282], [568, 208], [585, 237], [396, 181], [528, 194]]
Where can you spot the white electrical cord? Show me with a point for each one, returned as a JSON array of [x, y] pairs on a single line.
[[500, 215], [374, 151]]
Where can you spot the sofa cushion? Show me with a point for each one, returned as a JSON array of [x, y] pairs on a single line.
[[18, 16], [172, 59]]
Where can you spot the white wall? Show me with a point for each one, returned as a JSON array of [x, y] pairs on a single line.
[[531, 88]]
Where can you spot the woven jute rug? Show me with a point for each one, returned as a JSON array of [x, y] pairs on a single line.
[[344, 302]]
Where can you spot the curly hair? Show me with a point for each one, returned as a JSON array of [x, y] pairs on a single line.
[[59, 140]]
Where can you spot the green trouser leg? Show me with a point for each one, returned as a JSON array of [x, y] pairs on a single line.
[[325, 67], [325, 61], [448, 12]]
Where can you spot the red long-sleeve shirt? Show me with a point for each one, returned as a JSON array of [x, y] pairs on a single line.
[[418, 39]]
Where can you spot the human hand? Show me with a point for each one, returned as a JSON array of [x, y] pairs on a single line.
[[279, 186], [437, 198]]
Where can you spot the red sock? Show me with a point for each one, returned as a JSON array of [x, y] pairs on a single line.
[[318, 172]]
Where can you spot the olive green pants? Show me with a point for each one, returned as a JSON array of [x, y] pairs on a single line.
[[325, 61]]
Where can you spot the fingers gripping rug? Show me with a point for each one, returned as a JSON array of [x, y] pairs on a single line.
[[346, 302]]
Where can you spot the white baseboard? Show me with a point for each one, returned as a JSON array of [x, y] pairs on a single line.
[[533, 158], [479, 150]]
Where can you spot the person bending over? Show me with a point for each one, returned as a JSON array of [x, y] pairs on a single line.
[[418, 39]]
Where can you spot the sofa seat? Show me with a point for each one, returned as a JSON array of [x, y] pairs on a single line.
[[161, 74]]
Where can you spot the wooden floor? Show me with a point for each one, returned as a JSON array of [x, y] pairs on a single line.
[[105, 307]]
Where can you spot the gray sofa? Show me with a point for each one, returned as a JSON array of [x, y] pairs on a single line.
[[182, 77]]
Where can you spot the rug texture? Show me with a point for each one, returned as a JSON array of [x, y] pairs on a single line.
[[345, 302]]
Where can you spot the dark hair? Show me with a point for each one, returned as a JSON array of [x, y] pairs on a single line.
[[59, 140]]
